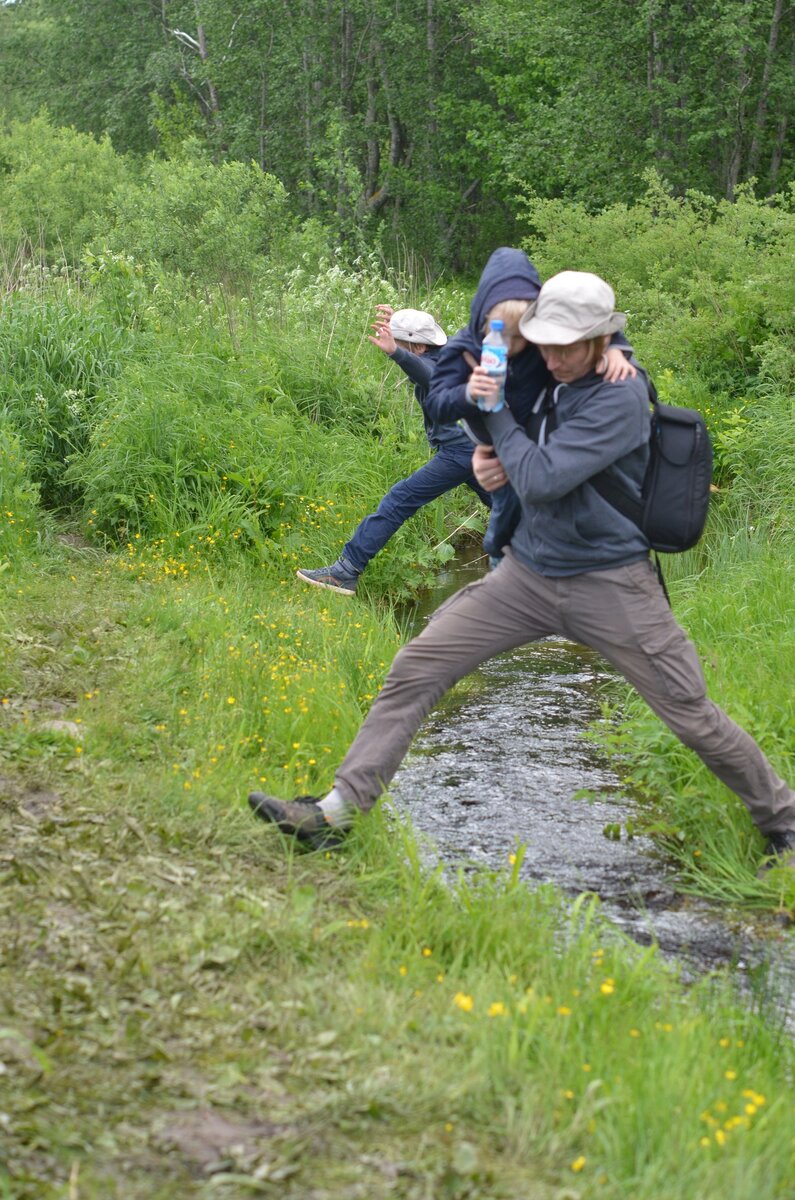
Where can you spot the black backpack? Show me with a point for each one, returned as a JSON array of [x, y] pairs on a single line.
[[672, 510], [674, 501]]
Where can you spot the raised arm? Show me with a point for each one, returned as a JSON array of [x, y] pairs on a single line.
[[418, 367]]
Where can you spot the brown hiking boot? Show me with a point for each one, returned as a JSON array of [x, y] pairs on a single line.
[[301, 818]]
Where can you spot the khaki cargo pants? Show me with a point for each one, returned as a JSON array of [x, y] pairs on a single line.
[[623, 614]]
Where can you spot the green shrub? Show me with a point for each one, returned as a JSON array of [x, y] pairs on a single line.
[[211, 223], [55, 185]]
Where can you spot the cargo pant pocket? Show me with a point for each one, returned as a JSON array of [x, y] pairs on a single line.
[[675, 667]]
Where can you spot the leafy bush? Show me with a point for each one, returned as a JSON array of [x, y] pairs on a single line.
[[212, 223], [56, 185]]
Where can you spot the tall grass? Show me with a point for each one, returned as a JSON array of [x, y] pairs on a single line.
[[734, 596], [57, 353], [22, 520]]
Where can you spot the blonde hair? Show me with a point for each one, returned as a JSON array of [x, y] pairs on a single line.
[[509, 311]]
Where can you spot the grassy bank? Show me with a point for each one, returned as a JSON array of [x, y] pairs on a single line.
[[734, 596], [186, 1008], [190, 1010]]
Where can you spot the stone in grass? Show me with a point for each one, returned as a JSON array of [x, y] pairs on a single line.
[[69, 729]]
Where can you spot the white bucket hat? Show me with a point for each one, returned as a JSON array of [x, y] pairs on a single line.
[[571, 307], [413, 325]]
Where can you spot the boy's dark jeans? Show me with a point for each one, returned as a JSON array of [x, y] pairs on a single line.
[[450, 466], [505, 513]]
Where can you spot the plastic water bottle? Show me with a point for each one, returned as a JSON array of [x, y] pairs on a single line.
[[495, 359]]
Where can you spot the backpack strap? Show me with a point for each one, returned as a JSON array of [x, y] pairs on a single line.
[[543, 416], [612, 492], [627, 505]]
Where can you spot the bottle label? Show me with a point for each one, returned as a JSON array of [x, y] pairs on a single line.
[[495, 359]]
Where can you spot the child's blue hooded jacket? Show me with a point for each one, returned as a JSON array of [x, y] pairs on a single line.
[[508, 275]]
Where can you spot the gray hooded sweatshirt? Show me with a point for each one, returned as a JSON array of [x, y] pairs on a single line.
[[566, 527]]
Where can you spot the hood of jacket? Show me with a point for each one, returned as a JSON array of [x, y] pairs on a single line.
[[508, 275]]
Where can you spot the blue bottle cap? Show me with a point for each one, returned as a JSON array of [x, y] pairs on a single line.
[[498, 325]]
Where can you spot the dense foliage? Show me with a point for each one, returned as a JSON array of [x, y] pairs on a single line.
[[419, 124], [178, 330]]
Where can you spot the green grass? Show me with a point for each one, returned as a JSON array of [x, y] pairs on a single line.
[[273, 440], [187, 1008], [734, 596], [351, 1025]]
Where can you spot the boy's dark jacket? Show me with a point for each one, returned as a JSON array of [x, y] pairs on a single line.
[[420, 369]]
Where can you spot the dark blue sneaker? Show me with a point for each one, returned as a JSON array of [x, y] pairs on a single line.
[[337, 578]]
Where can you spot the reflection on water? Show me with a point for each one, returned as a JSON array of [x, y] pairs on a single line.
[[502, 759]]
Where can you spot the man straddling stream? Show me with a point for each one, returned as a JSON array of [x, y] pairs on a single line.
[[575, 567]]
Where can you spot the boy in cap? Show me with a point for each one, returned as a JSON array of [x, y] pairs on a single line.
[[412, 339], [576, 567]]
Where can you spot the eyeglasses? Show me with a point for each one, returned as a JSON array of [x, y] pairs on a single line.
[[562, 352]]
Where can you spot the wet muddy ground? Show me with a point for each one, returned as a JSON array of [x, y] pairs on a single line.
[[504, 765]]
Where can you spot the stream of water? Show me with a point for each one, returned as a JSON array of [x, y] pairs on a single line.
[[504, 764]]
